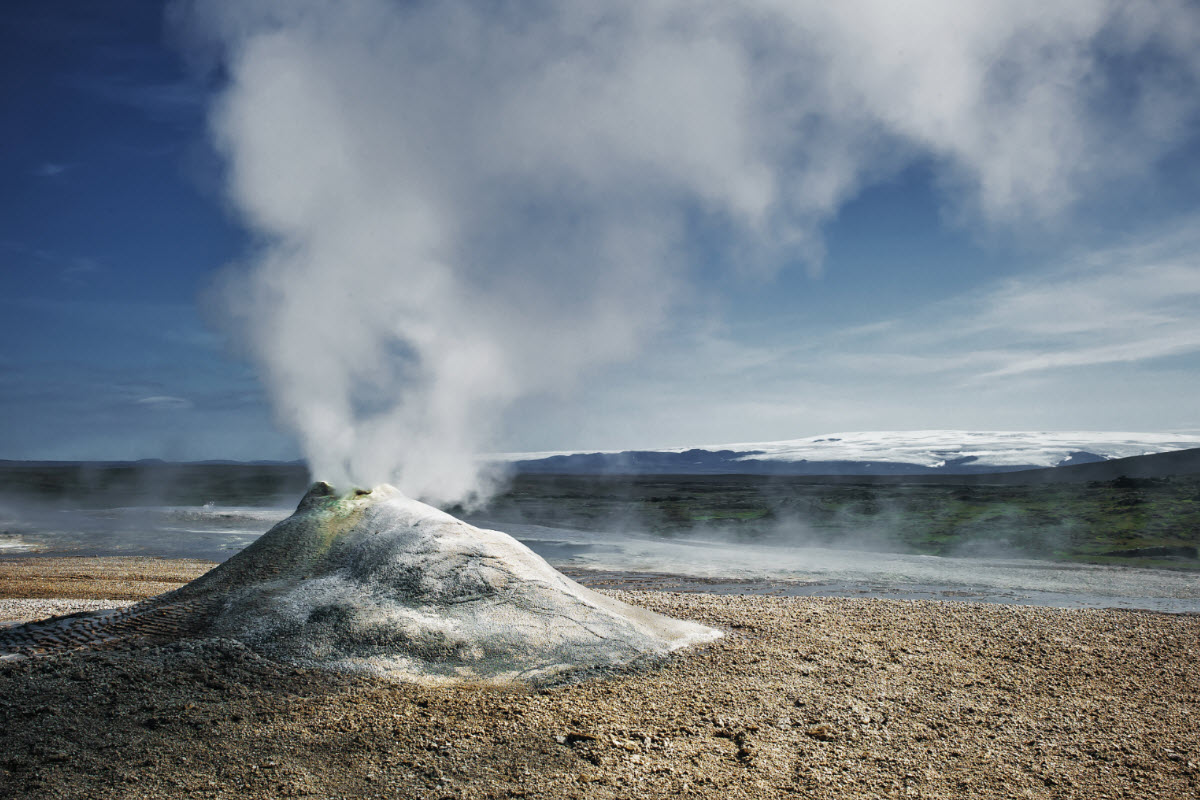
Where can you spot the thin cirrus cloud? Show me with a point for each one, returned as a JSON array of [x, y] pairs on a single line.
[[165, 403], [50, 169], [165, 101], [1125, 305], [1081, 347]]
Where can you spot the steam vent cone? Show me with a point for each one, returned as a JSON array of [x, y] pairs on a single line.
[[380, 583]]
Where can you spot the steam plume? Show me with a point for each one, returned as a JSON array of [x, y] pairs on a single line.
[[463, 204]]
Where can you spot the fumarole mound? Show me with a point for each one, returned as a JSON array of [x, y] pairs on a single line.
[[378, 582]]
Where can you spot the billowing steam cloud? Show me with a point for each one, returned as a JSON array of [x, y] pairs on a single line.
[[462, 204]]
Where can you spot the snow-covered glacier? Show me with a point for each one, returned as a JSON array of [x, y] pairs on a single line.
[[870, 452]]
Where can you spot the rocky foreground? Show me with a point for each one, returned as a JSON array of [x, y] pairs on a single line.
[[803, 697]]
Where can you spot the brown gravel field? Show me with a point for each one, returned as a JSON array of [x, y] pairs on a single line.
[[804, 697], [117, 578]]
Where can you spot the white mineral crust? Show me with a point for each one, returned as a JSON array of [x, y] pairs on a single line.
[[381, 583]]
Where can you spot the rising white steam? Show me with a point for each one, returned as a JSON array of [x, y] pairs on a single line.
[[462, 204]]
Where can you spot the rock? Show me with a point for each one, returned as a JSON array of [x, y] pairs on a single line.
[[373, 581], [572, 739], [823, 733]]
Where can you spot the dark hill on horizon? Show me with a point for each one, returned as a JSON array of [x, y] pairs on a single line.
[[1154, 466], [110, 484]]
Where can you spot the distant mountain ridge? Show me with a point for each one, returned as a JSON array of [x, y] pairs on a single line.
[[1133, 468], [868, 453]]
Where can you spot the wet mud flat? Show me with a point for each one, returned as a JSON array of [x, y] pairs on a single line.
[[804, 697]]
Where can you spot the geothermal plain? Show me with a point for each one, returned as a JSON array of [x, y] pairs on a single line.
[[823, 697], [803, 697]]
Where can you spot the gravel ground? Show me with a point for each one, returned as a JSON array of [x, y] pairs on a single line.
[[23, 610], [805, 697], [116, 578]]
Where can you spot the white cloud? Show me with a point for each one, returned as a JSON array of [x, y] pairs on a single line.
[[465, 204]]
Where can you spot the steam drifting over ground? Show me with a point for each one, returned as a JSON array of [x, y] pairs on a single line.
[[461, 205]]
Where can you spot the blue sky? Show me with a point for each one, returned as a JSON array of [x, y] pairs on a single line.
[[111, 224], [674, 233]]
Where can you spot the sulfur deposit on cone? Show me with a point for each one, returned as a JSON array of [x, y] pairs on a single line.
[[380, 583]]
